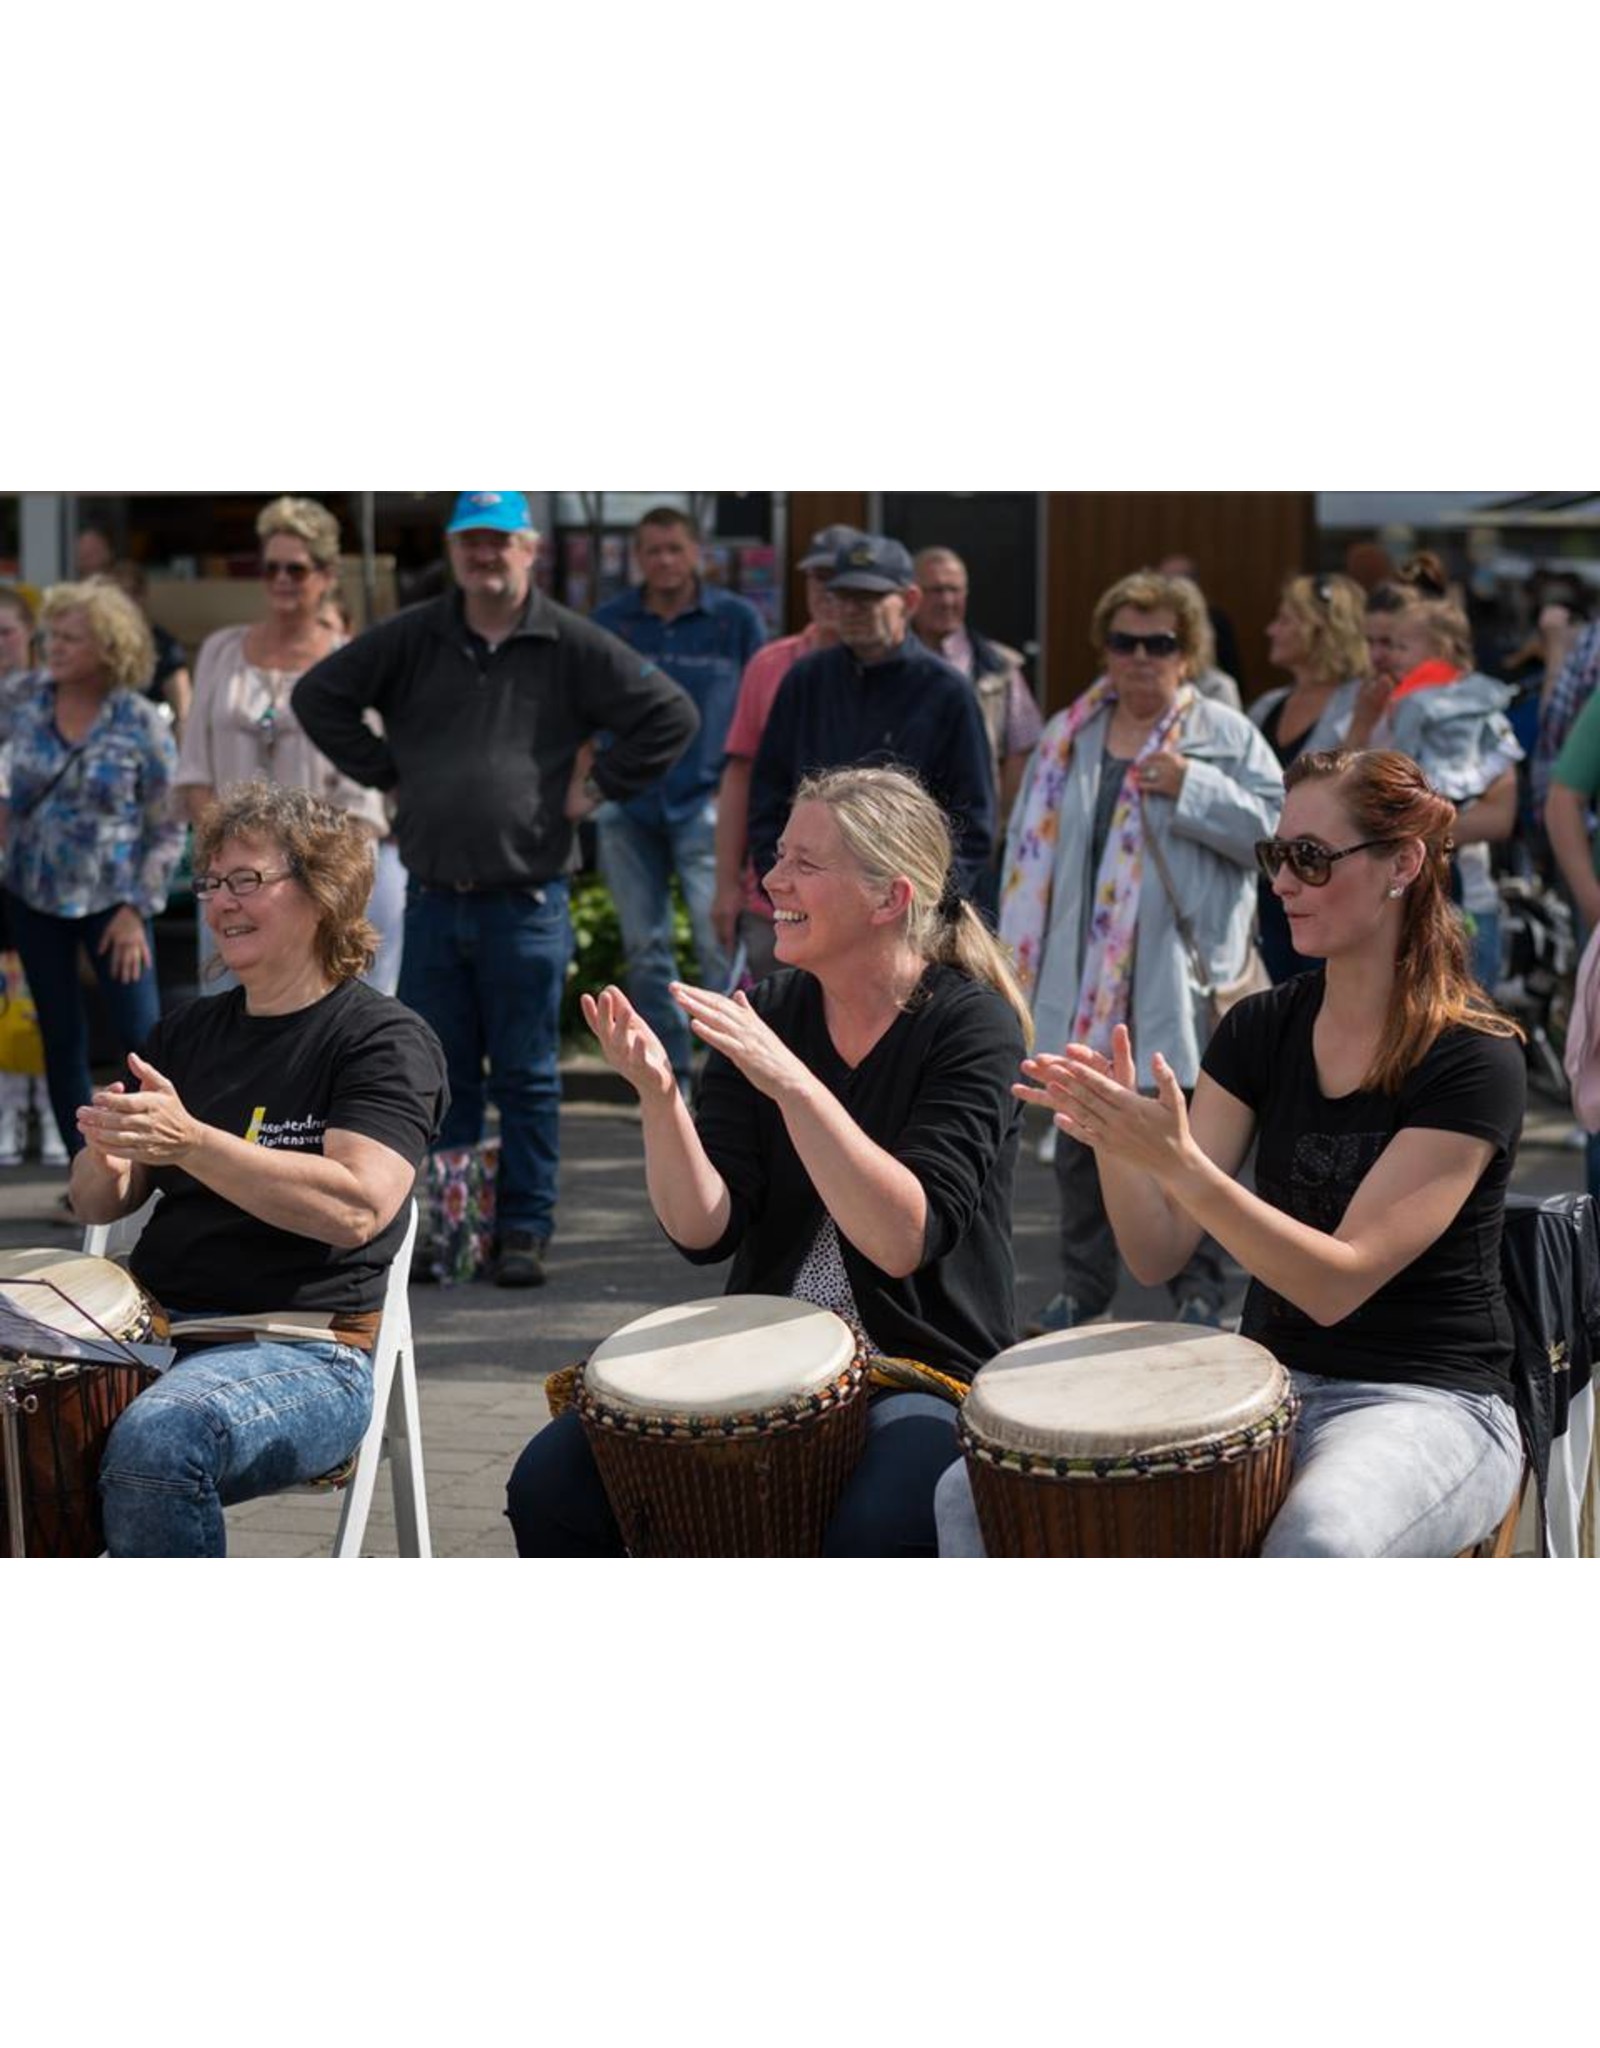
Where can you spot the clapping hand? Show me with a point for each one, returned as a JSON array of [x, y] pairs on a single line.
[[152, 1127], [730, 1025], [628, 1043], [1097, 1101]]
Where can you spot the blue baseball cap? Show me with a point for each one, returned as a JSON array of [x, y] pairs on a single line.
[[500, 511]]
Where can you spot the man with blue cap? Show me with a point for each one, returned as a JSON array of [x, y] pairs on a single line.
[[490, 700]]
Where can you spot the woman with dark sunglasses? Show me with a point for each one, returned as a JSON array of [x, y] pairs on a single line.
[[1130, 887], [1317, 635], [242, 727], [1384, 1095]]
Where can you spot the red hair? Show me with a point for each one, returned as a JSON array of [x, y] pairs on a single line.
[[1388, 797]]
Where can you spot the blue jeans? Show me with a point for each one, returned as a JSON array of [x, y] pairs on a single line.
[[224, 1424], [1379, 1471], [48, 947], [487, 971], [557, 1506], [637, 862]]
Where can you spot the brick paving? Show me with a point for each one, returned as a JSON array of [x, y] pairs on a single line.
[[483, 1352]]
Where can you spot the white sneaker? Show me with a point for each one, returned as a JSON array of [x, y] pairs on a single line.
[[51, 1150]]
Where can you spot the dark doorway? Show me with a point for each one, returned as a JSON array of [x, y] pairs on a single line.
[[996, 533]]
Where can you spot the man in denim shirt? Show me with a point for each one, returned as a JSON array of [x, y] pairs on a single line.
[[701, 637]]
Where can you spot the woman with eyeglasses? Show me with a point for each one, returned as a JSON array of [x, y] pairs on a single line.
[[1384, 1096], [90, 839], [1317, 635], [282, 1125], [242, 726], [1129, 888]]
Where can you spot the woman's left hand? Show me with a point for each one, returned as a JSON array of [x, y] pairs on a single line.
[[1162, 774], [124, 939], [152, 1127], [729, 1025]]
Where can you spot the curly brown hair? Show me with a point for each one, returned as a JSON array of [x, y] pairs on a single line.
[[328, 852]]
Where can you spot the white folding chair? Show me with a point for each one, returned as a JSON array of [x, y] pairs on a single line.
[[396, 1425]]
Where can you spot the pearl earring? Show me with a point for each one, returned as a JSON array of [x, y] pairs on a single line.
[[1399, 889]]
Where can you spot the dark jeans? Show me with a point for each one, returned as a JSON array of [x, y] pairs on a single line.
[[1089, 1246], [558, 1508], [48, 948], [486, 971]]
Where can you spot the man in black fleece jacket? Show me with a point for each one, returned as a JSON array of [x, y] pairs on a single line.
[[491, 699], [878, 699]]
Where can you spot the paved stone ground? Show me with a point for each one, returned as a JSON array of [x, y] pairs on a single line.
[[483, 1352]]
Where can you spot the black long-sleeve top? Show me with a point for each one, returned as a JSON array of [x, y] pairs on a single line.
[[911, 711], [479, 742], [935, 1092]]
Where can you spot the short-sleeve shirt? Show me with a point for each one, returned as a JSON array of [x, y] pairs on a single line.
[[354, 1061], [1442, 1321]]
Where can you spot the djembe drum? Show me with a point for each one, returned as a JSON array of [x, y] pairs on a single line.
[[1129, 1440], [56, 1413], [726, 1428]]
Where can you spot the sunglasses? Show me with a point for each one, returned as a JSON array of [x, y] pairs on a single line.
[[1309, 862], [297, 572], [242, 881], [1156, 645], [1321, 589]]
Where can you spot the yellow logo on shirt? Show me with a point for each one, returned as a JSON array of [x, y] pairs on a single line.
[[258, 1117]]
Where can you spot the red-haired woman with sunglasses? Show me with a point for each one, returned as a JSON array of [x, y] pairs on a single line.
[[243, 729], [1384, 1095]]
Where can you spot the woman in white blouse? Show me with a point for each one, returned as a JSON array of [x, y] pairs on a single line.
[[242, 727]]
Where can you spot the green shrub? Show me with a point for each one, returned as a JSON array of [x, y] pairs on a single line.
[[597, 949]]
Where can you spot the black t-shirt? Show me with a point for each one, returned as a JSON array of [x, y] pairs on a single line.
[[1443, 1320], [355, 1061], [935, 1092]]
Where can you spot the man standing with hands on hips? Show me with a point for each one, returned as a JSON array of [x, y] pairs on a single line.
[[490, 698]]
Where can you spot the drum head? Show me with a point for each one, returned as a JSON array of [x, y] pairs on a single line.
[[738, 1354], [95, 1295], [1105, 1390]]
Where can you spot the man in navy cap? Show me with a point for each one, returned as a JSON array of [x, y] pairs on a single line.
[[741, 912], [881, 699], [490, 700]]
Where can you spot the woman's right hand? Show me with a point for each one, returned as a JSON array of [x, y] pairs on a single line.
[[628, 1043], [1372, 701]]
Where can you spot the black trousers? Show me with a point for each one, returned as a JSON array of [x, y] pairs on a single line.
[[557, 1506]]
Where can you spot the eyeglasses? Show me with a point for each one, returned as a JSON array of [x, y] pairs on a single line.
[[297, 572], [241, 882], [1158, 645], [1309, 861]]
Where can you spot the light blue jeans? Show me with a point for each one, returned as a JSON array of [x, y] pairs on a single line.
[[637, 863], [224, 1424], [1379, 1471]]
